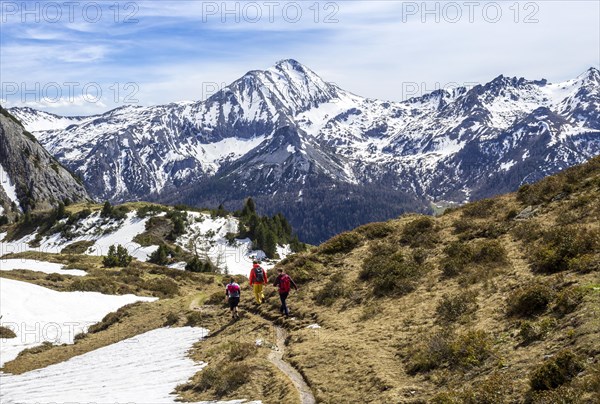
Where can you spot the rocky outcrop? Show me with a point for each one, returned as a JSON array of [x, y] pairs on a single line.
[[31, 178]]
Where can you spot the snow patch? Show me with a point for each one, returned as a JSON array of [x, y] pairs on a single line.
[[38, 266], [53, 316]]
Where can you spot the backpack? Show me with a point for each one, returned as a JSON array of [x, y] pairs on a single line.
[[259, 275], [233, 289], [284, 284]]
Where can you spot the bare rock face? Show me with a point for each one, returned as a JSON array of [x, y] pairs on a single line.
[[31, 178]]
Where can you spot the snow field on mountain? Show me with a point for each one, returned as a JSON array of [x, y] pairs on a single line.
[[8, 187], [38, 266], [205, 236], [37, 314]]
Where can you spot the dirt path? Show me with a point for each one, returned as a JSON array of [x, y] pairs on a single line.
[[276, 357]]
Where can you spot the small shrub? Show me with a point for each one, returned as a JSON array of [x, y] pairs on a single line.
[[342, 243], [458, 256], [171, 319], [389, 271], [78, 247], [568, 299], [447, 349], [420, 232], [6, 332], [377, 230], [165, 287], [534, 331], [334, 289], [55, 277], [36, 349], [481, 209], [530, 300], [527, 231], [493, 390], [562, 395], [452, 307], [489, 252], [109, 320], [561, 245], [239, 351], [585, 263], [223, 380], [555, 371]]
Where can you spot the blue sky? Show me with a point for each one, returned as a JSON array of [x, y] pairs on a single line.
[[70, 60]]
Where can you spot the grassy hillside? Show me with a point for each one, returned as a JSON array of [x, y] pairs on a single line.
[[494, 302], [497, 301]]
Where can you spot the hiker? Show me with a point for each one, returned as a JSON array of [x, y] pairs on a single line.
[[232, 292], [258, 278], [285, 283]]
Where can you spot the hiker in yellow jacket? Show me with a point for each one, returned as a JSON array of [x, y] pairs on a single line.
[[258, 278]]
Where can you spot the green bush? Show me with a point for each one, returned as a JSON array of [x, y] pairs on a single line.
[[562, 395], [533, 331], [117, 257], [585, 263], [480, 209], [556, 371], [447, 349], [197, 265], [568, 299], [78, 247], [527, 231], [334, 289], [223, 380], [6, 332], [489, 252], [543, 191], [377, 230], [389, 271], [160, 256], [497, 388], [453, 307], [457, 256], [110, 319], [239, 351], [165, 287], [530, 300], [562, 245], [420, 232], [171, 319], [342, 243], [55, 277]]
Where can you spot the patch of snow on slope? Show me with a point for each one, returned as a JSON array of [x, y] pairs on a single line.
[[37, 314], [8, 186], [38, 266], [143, 369]]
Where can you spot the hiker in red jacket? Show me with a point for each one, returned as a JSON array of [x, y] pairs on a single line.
[[232, 293], [258, 278], [285, 283]]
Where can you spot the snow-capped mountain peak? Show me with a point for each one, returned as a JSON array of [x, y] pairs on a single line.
[[448, 144]]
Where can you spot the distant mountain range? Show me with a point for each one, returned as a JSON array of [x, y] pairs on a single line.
[[325, 157]]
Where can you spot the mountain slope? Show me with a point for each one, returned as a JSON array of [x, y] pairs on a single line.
[[456, 145], [31, 178], [477, 305]]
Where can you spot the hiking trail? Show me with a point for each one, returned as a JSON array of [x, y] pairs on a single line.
[[276, 358]]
